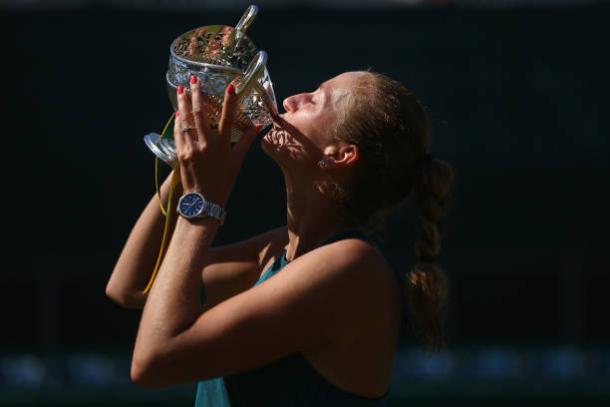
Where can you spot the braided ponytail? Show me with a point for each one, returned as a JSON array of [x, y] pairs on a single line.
[[391, 128], [426, 283]]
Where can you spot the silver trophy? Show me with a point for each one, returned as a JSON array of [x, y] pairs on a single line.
[[219, 55]]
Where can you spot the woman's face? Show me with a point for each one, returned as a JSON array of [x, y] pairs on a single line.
[[303, 134]]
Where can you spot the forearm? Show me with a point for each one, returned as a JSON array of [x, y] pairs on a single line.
[[173, 303], [137, 260]]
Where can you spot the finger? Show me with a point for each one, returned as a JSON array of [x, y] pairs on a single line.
[[228, 112], [186, 102], [199, 111], [178, 137], [184, 108], [242, 146]]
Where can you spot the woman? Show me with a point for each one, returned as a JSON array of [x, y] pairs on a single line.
[[322, 331]]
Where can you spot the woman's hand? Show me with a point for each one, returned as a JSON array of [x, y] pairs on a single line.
[[206, 153]]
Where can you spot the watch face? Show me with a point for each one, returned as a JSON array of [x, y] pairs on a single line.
[[191, 205]]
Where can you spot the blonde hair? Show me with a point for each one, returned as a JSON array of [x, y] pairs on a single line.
[[391, 128]]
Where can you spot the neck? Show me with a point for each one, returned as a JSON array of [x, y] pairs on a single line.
[[311, 218]]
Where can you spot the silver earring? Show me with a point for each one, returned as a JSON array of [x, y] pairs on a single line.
[[322, 163]]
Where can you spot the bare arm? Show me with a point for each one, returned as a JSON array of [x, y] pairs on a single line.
[[312, 303], [229, 269], [137, 260]]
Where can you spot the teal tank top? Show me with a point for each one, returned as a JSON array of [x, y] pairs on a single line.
[[289, 381]]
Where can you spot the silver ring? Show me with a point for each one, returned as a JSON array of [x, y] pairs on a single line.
[[186, 129]]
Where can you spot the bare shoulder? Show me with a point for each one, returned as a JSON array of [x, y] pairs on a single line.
[[355, 257], [355, 277]]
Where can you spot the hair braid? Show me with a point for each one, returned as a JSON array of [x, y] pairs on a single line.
[[426, 283], [391, 129]]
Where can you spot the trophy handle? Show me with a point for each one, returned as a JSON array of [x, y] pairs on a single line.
[[246, 19], [253, 73], [250, 79]]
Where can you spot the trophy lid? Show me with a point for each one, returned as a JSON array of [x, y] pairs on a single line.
[[219, 45], [216, 45]]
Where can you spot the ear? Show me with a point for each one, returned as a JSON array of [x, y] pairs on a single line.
[[341, 155]]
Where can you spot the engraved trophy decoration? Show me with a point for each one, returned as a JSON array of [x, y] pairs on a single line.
[[219, 55]]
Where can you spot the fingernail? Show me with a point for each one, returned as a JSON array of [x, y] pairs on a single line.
[[180, 89], [177, 114], [231, 89], [193, 79]]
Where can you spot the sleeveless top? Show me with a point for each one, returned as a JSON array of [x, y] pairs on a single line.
[[289, 381]]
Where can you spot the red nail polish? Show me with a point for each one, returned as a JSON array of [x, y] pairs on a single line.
[[180, 89], [231, 89], [177, 114], [193, 79]]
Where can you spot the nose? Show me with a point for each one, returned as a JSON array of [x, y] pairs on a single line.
[[290, 103], [294, 102]]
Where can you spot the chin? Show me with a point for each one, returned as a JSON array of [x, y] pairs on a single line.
[[266, 143], [268, 147], [283, 149], [272, 143]]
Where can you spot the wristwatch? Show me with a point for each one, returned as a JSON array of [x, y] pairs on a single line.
[[193, 205]]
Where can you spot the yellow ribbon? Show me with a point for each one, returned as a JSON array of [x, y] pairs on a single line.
[[167, 212]]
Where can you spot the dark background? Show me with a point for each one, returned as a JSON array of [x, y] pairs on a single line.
[[517, 99]]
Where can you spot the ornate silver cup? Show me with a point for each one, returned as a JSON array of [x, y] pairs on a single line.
[[219, 55]]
